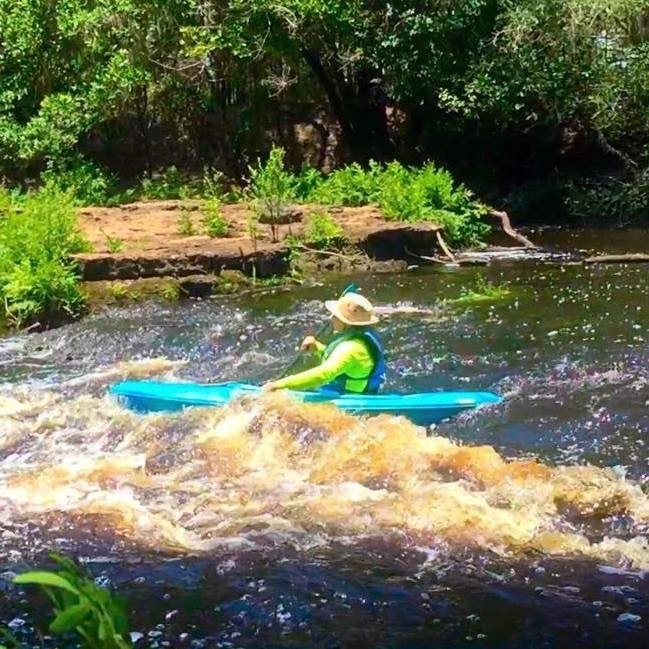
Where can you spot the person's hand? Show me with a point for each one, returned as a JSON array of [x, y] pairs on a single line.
[[271, 386], [309, 344]]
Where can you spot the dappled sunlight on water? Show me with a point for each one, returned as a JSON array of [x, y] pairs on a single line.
[[271, 523]]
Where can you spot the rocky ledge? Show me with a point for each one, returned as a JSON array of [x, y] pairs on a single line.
[[141, 240]]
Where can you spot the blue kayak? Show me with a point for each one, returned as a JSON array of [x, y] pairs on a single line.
[[422, 408]]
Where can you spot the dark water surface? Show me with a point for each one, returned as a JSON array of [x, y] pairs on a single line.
[[568, 348]]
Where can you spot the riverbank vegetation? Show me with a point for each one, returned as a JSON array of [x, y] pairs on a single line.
[[537, 105], [38, 229], [38, 278], [402, 193]]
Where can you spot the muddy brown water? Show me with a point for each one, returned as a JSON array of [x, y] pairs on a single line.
[[269, 524]]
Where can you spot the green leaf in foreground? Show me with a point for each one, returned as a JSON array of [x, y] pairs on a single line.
[[80, 605], [43, 578], [70, 617]]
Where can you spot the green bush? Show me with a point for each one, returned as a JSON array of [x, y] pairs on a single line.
[[272, 188], [213, 220], [185, 225], [321, 231], [88, 183], [38, 280], [305, 183], [620, 202], [351, 186], [92, 612], [403, 193], [430, 194], [167, 185]]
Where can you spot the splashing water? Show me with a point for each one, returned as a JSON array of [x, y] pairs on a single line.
[[265, 472], [280, 513]]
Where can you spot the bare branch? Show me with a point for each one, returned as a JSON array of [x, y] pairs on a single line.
[[507, 228], [444, 247]]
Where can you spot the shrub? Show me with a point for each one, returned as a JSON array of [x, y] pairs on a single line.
[[272, 188], [87, 182], [430, 194], [306, 183], [165, 186], [321, 231], [213, 220], [612, 200], [403, 193], [80, 605], [113, 244], [351, 186], [38, 279], [185, 225]]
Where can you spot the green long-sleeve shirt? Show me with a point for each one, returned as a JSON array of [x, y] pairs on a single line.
[[349, 357]]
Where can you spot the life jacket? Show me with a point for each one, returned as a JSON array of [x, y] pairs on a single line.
[[376, 377]]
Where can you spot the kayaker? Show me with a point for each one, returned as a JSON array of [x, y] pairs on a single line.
[[353, 362]]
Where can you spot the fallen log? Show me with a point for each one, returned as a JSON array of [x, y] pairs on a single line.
[[458, 261], [629, 258]]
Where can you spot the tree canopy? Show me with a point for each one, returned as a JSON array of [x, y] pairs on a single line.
[[525, 86]]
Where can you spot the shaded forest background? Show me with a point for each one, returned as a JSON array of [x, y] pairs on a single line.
[[540, 106]]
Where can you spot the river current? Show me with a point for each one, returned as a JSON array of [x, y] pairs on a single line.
[[270, 523]]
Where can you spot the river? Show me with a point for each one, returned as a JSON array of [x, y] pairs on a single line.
[[280, 525]]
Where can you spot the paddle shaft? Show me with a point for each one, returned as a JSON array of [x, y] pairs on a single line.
[[350, 288]]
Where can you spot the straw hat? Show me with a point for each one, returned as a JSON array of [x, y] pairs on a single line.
[[353, 309]]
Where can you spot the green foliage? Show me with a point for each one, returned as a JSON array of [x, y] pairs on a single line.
[[213, 220], [119, 291], [305, 184], [38, 280], [80, 606], [558, 62], [185, 225], [113, 244], [482, 291], [88, 183], [430, 194], [195, 78], [403, 193], [617, 201], [321, 231], [272, 188], [167, 185], [170, 292], [351, 186]]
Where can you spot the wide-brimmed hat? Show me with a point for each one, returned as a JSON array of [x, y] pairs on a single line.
[[353, 309]]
